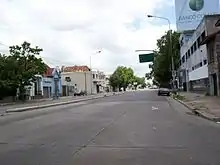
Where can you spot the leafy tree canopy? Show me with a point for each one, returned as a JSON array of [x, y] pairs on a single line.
[[161, 67], [123, 76], [19, 68]]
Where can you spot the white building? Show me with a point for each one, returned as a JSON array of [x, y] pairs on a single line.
[[99, 82], [193, 63]]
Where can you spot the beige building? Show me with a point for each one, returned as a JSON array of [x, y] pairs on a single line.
[[76, 78]]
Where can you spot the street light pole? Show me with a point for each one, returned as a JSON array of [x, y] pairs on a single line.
[[170, 45], [90, 61]]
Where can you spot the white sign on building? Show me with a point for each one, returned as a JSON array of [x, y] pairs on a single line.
[[189, 13]]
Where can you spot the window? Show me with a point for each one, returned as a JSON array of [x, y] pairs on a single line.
[[211, 55], [202, 37], [195, 46], [186, 56], [192, 50], [200, 64], [205, 62], [183, 59], [189, 53], [192, 68], [198, 43], [67, 79], [93, 76]]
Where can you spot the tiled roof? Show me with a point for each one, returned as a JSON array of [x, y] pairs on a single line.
[[75, 69], [48, 72]]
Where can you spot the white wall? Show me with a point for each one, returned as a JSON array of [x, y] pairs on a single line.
[[199, 73], [198, 56]]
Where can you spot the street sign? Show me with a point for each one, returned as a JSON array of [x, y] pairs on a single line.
[[146, 57]]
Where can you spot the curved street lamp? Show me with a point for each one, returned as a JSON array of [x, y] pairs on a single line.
[[170, 48]]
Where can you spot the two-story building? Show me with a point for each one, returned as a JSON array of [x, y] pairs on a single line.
[[99, 82], [52, 84], [76, 78], [194, 63]]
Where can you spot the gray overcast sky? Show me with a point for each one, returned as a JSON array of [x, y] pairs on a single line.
[[70, 31]]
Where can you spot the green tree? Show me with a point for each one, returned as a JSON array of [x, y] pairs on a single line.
[[121, 77], [20, 67], [8, 82], [161, 67], [140, 81]]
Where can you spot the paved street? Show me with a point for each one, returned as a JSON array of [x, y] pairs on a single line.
[[136, 128]]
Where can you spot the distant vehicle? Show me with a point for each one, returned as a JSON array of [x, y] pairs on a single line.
[[80, 93], [164, 90]]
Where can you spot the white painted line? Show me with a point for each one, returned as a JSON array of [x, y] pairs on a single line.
[[154, 108]]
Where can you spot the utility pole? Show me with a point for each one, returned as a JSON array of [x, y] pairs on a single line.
[[98, 52]]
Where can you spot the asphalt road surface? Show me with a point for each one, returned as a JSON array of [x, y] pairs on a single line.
[[136, 128]]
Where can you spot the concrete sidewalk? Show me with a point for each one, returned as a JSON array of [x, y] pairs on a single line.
[[205, 106], [49, 103]]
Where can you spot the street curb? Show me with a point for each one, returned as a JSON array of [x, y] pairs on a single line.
[[198, 112], [58, 104]]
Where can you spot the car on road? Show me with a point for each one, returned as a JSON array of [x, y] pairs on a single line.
[[164, 91], [80, 93]]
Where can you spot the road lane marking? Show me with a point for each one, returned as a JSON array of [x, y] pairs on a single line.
[[154, 108]]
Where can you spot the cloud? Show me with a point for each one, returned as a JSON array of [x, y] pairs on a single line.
[[70, 31]]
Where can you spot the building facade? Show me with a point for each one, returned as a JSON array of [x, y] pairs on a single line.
[[212, 42], [99, 84], [51, 83], [193, 70], [76, 79]]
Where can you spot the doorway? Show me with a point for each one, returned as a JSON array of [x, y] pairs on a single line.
[[214, 77], [97, 88]]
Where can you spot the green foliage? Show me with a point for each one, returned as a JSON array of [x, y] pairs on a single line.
[[161, 67], [179, 97], [19, 68], [123, 76]]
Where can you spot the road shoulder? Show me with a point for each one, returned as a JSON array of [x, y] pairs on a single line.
[[198, 107]]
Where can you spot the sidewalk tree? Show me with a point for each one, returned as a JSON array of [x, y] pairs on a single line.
[[18, 69], [161, 68], [140, 81], [27, 65], [8, 81], [122, 77]]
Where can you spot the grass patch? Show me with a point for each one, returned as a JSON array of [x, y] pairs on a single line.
[[179, 97]]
